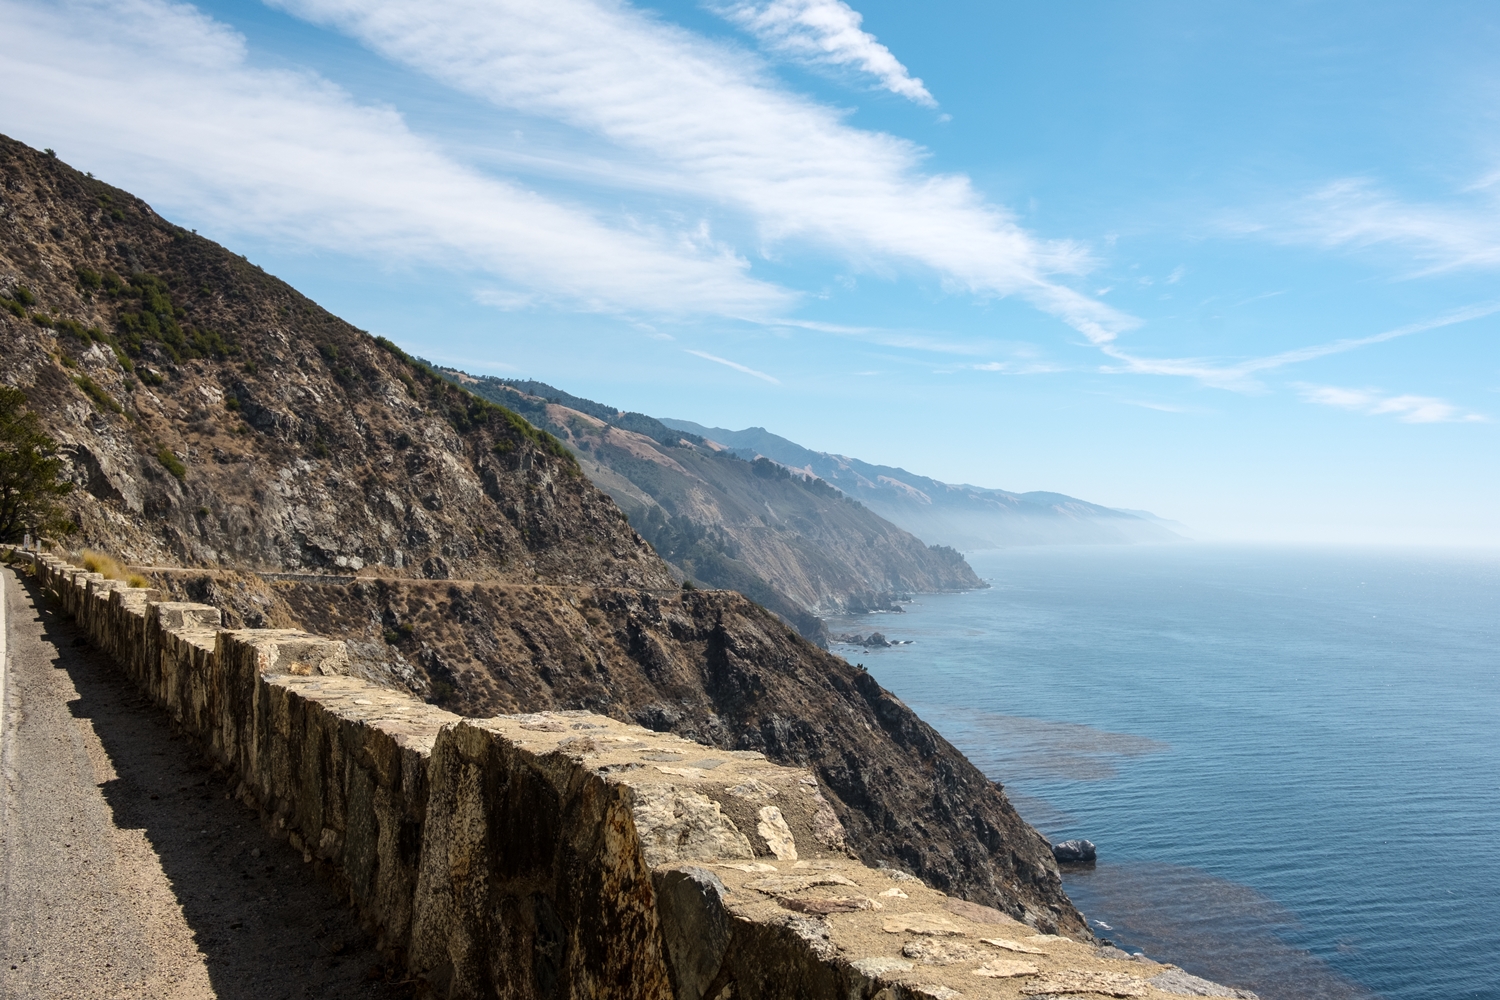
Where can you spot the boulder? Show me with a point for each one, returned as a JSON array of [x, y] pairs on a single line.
[[1074, 852]]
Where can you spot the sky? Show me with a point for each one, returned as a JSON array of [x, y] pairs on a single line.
[[1234, 264]]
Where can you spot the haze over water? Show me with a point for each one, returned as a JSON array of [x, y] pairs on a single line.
[[1289, 759]]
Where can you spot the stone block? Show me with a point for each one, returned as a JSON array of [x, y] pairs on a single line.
[[532, 881], [563, 854]]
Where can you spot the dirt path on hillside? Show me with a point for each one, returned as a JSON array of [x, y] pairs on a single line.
[[125, 869]]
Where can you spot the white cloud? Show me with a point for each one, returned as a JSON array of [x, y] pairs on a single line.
[[1020, 367], [710, 115], [1240, 375], [1407, 408], [825, 32], [504, 299], [1355, 213], [1159, 407], [735, 365], [163, 100]]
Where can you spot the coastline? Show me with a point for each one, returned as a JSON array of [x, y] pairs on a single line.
[[1233, 727]]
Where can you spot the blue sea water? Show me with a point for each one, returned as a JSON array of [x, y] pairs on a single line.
[[1289, 759]]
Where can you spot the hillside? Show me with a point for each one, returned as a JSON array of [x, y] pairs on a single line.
[[963, 517], [296, 471], [790, 541]]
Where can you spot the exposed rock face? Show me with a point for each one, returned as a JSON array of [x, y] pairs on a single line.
[[1186, 984], [339, 455], [786, 539], [302, 442], [715, 668]]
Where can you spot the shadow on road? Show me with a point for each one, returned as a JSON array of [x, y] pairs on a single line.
[[269, 925]]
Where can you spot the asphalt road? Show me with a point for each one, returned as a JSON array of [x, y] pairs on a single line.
[[126, 870]]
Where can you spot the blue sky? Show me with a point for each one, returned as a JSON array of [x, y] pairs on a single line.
[[1235, 264]]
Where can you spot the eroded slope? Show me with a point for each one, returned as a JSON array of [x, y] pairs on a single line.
[[215, 418]]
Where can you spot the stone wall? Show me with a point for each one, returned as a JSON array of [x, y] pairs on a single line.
[[566, 855]]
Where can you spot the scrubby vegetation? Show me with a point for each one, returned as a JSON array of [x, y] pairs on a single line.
[[467, 411], [30, 489], [111, 568], [149, 316], [171, 462]]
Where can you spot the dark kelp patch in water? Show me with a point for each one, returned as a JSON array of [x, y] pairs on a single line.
[[1016, 747], [1214, 928]]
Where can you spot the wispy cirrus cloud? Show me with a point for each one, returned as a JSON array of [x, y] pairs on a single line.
[[1356, 213], [1241, 375], [165, 101], [735, 365], [1147, 404], [1020, 367], [824, 33], [714, 121], [1407, 408]]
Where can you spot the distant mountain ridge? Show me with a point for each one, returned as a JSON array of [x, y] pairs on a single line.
[[787, 539], [962, 516]]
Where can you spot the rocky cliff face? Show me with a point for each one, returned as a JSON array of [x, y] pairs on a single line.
[[216, 419], [214, 416], [797, 545]]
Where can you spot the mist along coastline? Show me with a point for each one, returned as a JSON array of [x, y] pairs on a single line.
[[1285, 756]]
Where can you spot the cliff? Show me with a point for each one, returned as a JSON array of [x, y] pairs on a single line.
[[790, 541], [962, 516], [217, 421]]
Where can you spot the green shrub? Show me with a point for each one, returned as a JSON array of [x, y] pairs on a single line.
[[96, 392], [29, 468], [156, 319], [90, 279], [23, 295], [75, 328], [171, 462]]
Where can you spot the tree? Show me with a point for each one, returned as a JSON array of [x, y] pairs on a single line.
[[29, 466]]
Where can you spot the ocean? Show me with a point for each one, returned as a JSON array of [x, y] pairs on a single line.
[[1288, 758]]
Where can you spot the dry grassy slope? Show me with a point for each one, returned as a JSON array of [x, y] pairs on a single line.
[[303, 443], [340, 451]]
